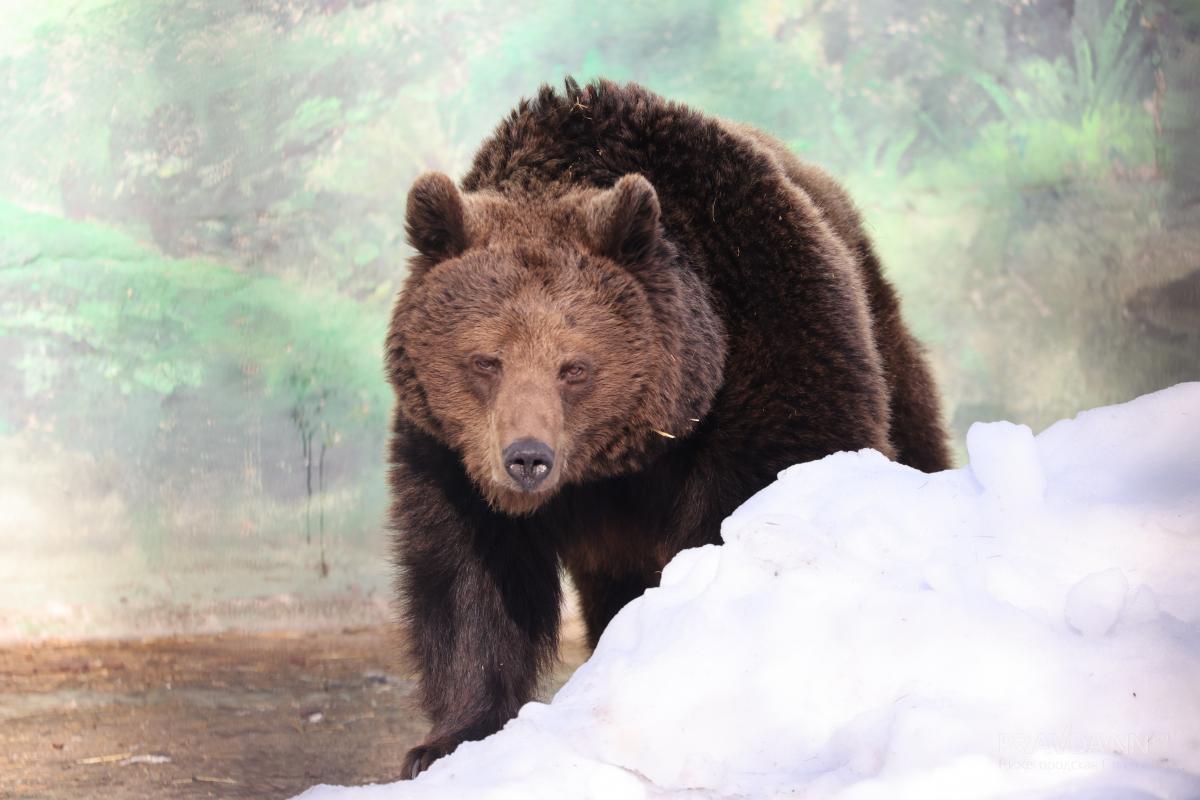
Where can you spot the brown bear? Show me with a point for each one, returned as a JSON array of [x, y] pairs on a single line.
[[626, 322]]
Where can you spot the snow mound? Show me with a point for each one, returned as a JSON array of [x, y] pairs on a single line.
[[1027, 626]]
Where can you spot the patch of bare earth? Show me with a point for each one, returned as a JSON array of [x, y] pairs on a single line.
[[232, 715]]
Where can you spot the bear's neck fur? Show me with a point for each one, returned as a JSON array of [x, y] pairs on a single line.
[[692, 338], [690, 370]]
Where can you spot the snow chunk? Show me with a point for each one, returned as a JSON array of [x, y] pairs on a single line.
[[1027, 626], [1004, 460], [1094, 603]]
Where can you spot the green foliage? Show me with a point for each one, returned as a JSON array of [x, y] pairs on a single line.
[[150, 323], [162, 362]]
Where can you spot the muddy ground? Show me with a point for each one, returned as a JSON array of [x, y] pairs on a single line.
[[232, 715]]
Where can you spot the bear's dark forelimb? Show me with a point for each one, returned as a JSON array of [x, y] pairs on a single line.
[[602, 596], [479, 591]]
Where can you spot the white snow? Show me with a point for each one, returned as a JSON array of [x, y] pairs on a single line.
[[1027, 626]]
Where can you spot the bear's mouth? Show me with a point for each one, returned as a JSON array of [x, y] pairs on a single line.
[[544, 481], [509, 497]]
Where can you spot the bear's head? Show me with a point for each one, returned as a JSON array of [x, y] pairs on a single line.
[[549, 339]]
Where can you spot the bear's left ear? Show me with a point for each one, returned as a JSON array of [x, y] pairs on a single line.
[[435, 221], [622, 222]]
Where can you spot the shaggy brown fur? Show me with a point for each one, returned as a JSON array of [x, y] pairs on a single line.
[[673, 308]]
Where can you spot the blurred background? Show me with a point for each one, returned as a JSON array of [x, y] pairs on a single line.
[[201, 230]]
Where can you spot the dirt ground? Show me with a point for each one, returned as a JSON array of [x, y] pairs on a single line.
[[232, 715]]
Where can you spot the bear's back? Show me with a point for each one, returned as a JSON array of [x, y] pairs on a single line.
[[727, 200]]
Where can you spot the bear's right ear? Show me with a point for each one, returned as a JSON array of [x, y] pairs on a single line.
[[435, 221]]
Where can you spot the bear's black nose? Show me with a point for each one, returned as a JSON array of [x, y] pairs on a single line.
[[528, 461]]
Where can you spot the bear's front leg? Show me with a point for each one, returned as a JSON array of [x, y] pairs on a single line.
[[480, 593]]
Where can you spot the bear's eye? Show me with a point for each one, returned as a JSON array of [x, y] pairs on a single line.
[[486, 364], [573, 372]]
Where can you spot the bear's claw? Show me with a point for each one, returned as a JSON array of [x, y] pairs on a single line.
[[421, 757]]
